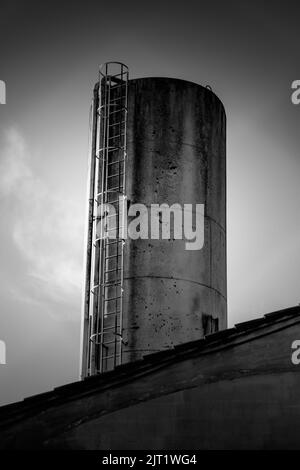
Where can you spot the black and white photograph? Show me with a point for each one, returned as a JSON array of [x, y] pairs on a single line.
[[150, 228]]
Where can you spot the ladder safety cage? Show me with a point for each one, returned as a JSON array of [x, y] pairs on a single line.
[[105, 303]]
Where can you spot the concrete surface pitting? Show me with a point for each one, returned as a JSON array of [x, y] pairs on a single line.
[[176, 154]]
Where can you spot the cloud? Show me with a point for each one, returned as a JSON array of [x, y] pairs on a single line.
[[46, 226]]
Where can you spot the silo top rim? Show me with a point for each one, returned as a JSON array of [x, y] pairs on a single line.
[[172, 79]]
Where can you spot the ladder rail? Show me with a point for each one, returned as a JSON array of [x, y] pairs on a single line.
[[107, 257]]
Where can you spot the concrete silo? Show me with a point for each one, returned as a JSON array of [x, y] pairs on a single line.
[[170, 148]]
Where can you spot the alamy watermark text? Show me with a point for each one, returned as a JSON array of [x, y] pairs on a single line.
[[2, 92]]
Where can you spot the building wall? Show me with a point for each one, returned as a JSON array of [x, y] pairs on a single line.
[[236, 393], [253, 412]]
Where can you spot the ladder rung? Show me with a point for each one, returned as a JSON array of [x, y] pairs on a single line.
[[99, 217], [123, 108], [115, 201], [107, 284], [114, 78], [114, 242], [109, 314], [119, 86], [116, 136], [118, 227], [110, 190], [111, 327], [106, 194], [105, 116], [106, 105], [99, 239], [112, 215], [117, 161], [122, 97], [115, 174], [100, 333], [115, 188], [111, 356], [108, 342], [113, 298], [109, 149], [119, 80], [107, 332], [114, 102], [103, 343], [111, 270], [117, 123], [112, 256], [118, 240], [112, 284], [111, 229], [118, 190]]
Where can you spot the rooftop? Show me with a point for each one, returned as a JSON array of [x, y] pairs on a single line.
[[240, 333]]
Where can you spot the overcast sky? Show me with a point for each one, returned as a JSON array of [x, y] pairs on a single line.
[[247, 51]]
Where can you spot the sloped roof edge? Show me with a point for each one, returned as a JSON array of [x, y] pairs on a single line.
[[230, 337]]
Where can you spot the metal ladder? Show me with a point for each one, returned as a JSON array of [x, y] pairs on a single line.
[[108, 221]]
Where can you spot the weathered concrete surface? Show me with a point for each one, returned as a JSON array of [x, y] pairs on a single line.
[[177, 154], [234, 390]]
